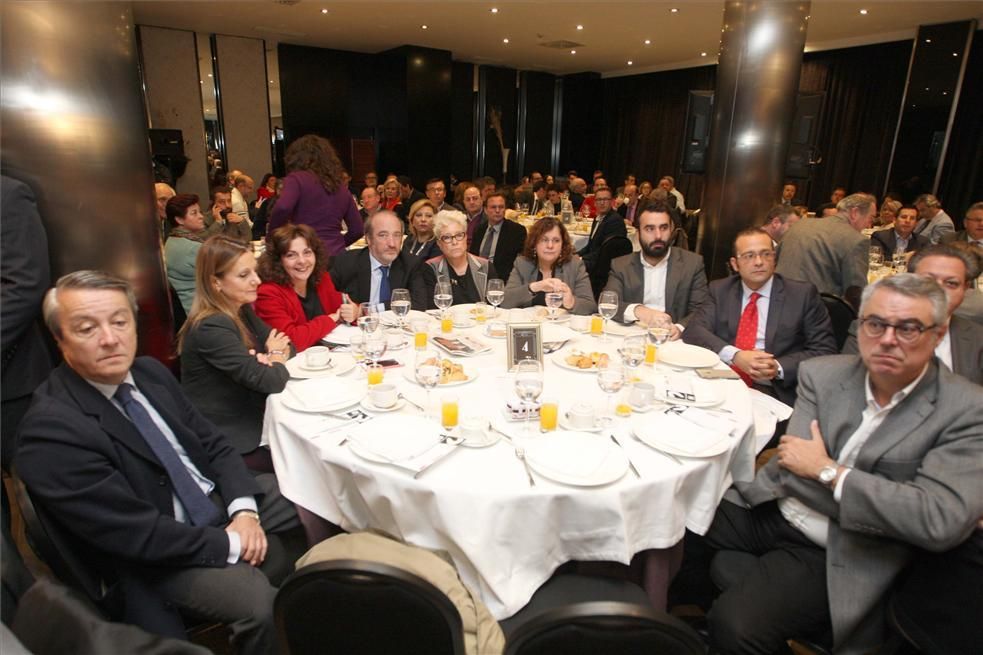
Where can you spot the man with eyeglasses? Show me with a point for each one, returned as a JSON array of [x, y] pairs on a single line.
[[607, 224], [881, 460], [761, 324], [496, 239], [371, 273], [436, 193], [961, 347], [972, 231]]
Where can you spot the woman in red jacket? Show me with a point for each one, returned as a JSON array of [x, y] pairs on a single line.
[[297, 296]]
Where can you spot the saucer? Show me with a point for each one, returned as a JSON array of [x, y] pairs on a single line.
[[491, 438], [566, 425], [368, 406], [314, 369]]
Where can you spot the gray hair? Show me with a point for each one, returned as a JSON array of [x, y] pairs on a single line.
[[85, 279], [928, 200], [969, 259], [855, 201], [781, 212], [370, 220], [446, 218], [911, 286], [976, 206]]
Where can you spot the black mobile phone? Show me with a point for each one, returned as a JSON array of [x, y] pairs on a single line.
[[389, 363]]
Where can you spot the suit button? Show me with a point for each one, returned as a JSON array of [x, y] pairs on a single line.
[[162, 481]]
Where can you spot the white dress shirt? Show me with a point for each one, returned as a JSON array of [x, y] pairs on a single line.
[[206, 485], [808, 521], [944, 350], [728, 352], [653, 286]]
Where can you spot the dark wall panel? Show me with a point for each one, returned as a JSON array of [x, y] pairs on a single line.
[[583, 118], [539, 122], [962, 172], [428, 112], [462, 120], [501, 96]]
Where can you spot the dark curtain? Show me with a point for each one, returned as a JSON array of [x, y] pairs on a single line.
[[864, 88], [962, 172], [644, 123]]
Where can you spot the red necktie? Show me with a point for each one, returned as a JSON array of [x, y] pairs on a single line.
[[747, 333]]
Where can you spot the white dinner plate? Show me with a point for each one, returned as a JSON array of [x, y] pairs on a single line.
[[675, 435], [340, 364], [368, 406], [341, 334], [706, 393], [323, 394], [389, 319], [576, 458], [684, 355], [410, 375], [394, 438]]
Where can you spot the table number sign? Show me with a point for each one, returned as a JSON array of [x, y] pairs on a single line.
[[524, 341]]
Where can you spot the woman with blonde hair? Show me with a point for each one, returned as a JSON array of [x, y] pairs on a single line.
[[314, 193], [421, 242], [230, 359]]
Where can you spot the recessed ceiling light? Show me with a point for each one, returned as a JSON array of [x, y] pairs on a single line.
[[580, 27], [674, 11], [423, 27], [927, 89], [928, 40], [209, 75], [945, 93], [630, 62], [505, 40], [271, 81], [703, 54], [494, 10], [863, 12], [955, 54], [324, 11], [648, 41], [573, 52], [201, 81]]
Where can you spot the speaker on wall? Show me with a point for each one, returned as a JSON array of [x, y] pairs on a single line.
[[699, 111]]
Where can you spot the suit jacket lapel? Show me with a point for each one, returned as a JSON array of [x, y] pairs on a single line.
[[364, 280], [479, 275], [637, 288], [902, 421], [775, 305], [845, 409], [731, 314], [673, 277]]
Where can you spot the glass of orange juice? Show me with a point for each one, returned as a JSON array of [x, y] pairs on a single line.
[[446, 322], [549, 410], [596, 325], [420, 333], [651, 353], [449, 411], [480, 312], [374, 373]]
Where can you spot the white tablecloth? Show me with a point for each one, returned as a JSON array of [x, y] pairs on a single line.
[[504, 536]]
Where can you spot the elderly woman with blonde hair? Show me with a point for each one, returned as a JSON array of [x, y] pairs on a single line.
[[467, 274]]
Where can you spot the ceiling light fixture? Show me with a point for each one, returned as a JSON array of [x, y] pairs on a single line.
[[423, 27], [580, 27], [955, 54], [928, 40], [703, 54], [863, 12], [505, 40], [673, 11], [494, 10], [648, 41], [324, 11], [630, 62], [573, 52]]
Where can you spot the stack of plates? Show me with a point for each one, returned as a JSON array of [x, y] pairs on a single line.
[[326, 394]]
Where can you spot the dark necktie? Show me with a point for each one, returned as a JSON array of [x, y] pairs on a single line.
[[747, 333], [486, 245], [385, 293], [201, 510]]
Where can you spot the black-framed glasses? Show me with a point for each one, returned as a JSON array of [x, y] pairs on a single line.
[[907, 331], [451, 238]]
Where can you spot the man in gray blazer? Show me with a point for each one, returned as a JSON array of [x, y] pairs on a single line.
[[792, 324], [659, 281], [934, 223], [972, 231], [881, 457], [831, 252]]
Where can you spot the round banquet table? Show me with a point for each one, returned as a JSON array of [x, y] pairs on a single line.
[[505, 536]]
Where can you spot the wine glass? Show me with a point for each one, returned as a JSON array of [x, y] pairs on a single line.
[[554, 300], [400, 305], [443, 296], [528, 382], [611, 379], [368, 318], [426, 369], [607, 307], [357, 345], [375, 346], [495, 293], [659, 329], [632, 353]]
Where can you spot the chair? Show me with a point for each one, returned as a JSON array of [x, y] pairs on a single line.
[[613, 247], [180, 316], [357, 606], [609, 627], [679, 239], [841, 314]]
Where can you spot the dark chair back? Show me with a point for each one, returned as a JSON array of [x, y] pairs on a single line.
[[612, 628], [356, 606], [180, 316], [613, 247], [679, 239], [841, 315]]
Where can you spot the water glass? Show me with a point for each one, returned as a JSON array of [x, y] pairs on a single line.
[[607, 306], [495, 293], [426, 370], [528, 383]]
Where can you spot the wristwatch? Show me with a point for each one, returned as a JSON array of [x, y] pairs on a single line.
[[250, 513], [827, 474]]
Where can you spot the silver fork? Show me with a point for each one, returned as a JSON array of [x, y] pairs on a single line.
[[403, 396], [664, 454], [631, 464], [520, 453]]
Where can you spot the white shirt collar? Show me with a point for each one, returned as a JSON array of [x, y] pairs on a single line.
[[764, 291], [109, 390], [897, 397], [661, 264], [374, 263]]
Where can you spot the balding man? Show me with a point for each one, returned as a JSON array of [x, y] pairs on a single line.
[[777, 222], [629, 208], [242, 187], [578, 187], [933, 222], [972, 231], [669, 184], [162, 193], [831, 252], [473, 209], [371, 202]]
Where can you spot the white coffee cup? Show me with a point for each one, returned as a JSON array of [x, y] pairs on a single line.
[[642, 394], [474, 429], [383, 395], [579, 323], [581, 416], [317, 356]]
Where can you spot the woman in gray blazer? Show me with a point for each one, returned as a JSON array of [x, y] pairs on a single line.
[[467, 274], [230, 359], [547, 263]]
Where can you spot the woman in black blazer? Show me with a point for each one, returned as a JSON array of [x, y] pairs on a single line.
[[230, 359]]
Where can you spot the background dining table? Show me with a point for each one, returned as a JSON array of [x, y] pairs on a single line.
[[505, 535]]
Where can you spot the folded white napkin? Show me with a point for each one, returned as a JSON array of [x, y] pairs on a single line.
[[677, 433], [580, 459], [341, 334]]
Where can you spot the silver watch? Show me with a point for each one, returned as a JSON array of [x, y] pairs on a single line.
[[828, 473]]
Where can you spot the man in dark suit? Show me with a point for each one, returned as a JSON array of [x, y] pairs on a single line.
[[881, 459], [764, 342], [900, 237], [972, 231], [607, 224], [497, 239], [660, 281], [540, 199], [371, 273], [474, 209], [407, 192], [154, 495], [629, 208]]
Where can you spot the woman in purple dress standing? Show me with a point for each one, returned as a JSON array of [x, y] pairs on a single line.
[[314, 194]]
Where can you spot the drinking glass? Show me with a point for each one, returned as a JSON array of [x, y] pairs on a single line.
[[549, 411], [875, 256], [495, 293], [611, 379], [554, 300], [632, 353], [528, 382], [420, 328], [449, 411], [375, 346], [899, 261], [357, 345], [607, 306], [400, 305], [426, 369], [368, 318], [443, 296], [659, 331]]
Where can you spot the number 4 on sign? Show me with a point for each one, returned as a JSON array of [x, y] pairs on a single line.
[[525, 346]]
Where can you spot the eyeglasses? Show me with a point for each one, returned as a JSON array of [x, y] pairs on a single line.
[[906, 331], [453, 238], [766, 255]]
